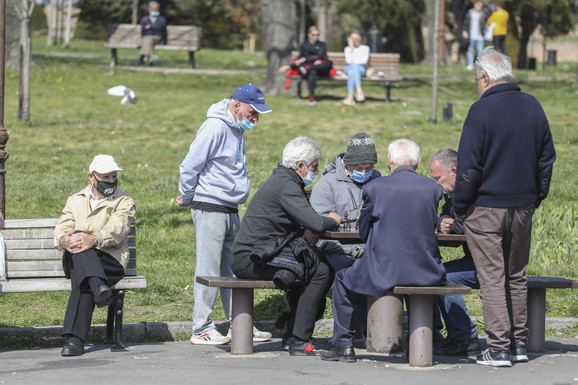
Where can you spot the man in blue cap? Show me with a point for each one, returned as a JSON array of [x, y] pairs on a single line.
[[213, 181]]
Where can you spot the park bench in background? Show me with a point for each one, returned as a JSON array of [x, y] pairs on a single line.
[[384, 68], [179, 38], [34, 265]]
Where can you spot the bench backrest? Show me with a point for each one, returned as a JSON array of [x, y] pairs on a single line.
[[129, 36], [388, 63], [30, 251]]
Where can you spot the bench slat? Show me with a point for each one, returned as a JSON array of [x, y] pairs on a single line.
[[448, 288], [552, 283], [16, 234], [61, 284], [30, 223], [33, 254], [235, 283]]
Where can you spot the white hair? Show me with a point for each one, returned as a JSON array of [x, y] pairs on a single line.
[[301, 149], [494, 64], [404, 152]]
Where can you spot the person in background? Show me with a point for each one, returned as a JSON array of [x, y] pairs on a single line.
[[153, 32], [213, 181], [473, 30], [505, 160], [356, 57], [500, 19], [462, 335], [397, 223], [92, 233], [277, 242]]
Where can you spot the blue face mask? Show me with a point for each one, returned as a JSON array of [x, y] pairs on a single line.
[[309, 179], [245, 124], [361, 177], [155, 13]]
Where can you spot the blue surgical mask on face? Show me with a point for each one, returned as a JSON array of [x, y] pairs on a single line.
[[245, 124], [155, 14], [361, 177], [309, 179]]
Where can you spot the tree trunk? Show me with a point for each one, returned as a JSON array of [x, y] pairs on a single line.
[[279, 31], [430, 21], [12, 41], [134, 11], [434, 102], [68, 22], [24, 10]]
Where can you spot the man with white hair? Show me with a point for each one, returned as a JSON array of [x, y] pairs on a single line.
[[153, 31], [505, 161], [277, 242], [92, 232], [397, 223]]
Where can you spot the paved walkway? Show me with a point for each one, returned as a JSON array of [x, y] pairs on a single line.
[[182, 363]]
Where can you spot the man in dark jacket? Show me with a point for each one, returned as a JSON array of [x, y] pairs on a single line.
[[505, 161], [397, 223], [153, 31], [462, 338], [278, 214]]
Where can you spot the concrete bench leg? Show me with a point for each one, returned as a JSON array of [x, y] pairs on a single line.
[[536, 319], [385, 324], [420, 330], [242, 328]]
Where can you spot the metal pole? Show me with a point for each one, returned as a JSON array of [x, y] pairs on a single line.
[[434, 102], [3, 132]]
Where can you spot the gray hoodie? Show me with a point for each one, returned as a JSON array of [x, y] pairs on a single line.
[[214, 169]]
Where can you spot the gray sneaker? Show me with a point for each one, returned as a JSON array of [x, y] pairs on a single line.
[[258, 335], [518, 353]]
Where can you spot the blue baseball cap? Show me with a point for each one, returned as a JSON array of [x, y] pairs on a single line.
[[252, 95]]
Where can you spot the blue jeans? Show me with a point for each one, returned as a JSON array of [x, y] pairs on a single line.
[[453, 307], [354, 74], [476, 45], [215, 236]]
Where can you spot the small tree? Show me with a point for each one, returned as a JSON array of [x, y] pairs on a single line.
[[24, 10]]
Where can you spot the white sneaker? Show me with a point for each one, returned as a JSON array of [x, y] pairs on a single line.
[[258, 335], [210, 337], [470, 67]]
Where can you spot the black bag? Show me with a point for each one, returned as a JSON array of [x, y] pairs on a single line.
[[464, 44]]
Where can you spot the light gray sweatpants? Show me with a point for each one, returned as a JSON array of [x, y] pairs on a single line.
[[215, 236]]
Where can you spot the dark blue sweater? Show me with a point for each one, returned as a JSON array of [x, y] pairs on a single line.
[[506, 152]]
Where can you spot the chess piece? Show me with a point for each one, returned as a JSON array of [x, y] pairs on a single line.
[[346, 222], [357, 224]]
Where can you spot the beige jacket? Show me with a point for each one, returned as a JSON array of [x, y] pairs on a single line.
[[110, 222]]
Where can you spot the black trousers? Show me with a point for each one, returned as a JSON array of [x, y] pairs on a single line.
[[499, 42], [305, 302], [80, 267], [321, 69]]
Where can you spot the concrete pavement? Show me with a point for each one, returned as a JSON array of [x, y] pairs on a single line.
[[183, 363]]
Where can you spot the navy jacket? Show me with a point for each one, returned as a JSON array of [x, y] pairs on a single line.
[[398, 221], [506, 153], [159, 27]]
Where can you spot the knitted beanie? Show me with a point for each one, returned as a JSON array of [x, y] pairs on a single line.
[[360, 150]]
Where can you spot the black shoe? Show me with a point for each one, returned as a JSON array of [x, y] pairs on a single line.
[[140, 60], [339, 354], [102, 295], [459, 348], [518, 353], [73, 347], [299, 347], [286, 342]]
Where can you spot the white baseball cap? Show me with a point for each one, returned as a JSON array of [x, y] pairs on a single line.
[[103, 164]]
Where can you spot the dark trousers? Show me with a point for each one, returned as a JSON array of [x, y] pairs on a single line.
[[321, 69], [346, 306], [499, 42], [90, 263], [304, 301]]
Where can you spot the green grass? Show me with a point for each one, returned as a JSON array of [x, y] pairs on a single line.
[[73, 119]]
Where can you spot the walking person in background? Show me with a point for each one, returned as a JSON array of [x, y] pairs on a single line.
[[213, 181], [356, 57], [500, 19], [505, 161], [473, 30], [153, 31]]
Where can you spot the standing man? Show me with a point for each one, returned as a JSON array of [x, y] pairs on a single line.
[[213, 181], [473, 30], [92, 232], [462, 337], [505, 161], [153, 31], [397, 223]]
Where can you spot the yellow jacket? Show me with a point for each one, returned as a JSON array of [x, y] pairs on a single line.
[[109, 222], [501, 20]]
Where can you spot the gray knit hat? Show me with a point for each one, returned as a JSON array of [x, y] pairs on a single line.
[[360, 150]]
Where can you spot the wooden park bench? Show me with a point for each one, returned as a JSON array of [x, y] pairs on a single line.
[[34, 265], [179, 38], [383, 67]]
